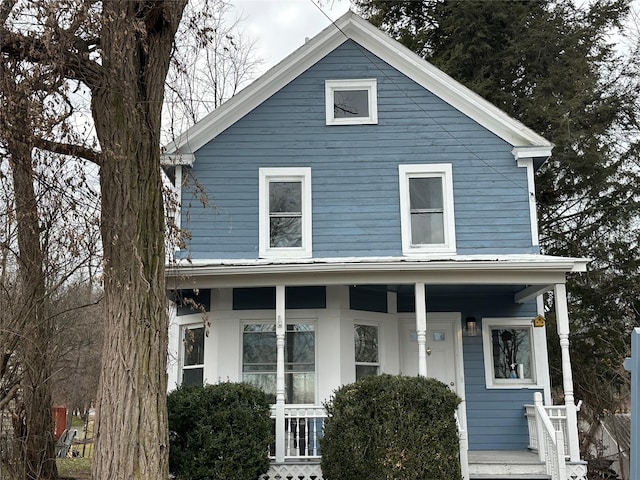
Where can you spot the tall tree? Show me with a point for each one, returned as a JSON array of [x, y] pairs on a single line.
[[120, 50], [26, 337], [552, 65], [117, 54], [41, 247]]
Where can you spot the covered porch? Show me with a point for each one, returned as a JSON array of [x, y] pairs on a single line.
[[446, 298]]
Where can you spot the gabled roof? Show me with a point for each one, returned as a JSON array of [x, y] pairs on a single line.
[[525, 141]]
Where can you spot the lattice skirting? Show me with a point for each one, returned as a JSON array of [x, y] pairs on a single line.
[[577, 471], [287, 471]]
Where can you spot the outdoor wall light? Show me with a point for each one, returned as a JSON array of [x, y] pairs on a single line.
[[471, 327]]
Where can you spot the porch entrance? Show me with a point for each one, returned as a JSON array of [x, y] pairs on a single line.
[[441, 348]]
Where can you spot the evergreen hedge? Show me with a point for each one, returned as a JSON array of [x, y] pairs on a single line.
[[219, 432], [391, 427]]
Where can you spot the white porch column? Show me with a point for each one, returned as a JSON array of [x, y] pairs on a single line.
[[421, 327], [280, 334], [562, 321]]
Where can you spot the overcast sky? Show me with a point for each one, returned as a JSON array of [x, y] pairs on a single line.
[[281, 26]]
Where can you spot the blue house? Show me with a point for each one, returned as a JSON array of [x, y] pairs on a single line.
[[368, 214]]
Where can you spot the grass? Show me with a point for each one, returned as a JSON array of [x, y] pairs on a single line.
[[76, 468]]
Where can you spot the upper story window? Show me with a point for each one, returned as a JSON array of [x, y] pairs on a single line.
[[351, 102], [426, 208], [508, 352], [285, 212], [192, 355]]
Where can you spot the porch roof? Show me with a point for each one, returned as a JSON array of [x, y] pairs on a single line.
[[520, 269]]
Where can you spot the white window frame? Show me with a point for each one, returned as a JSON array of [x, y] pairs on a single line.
[[436, 170], [489, 324], [182, 353], [368, 84], [284, 174], [377, 325]]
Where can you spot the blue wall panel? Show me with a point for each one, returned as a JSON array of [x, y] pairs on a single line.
[[356, 209], [495, 417]]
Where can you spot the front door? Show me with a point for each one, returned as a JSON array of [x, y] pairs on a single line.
[[441, 348]]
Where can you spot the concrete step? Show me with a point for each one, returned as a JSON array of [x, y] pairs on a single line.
[[503, 465]]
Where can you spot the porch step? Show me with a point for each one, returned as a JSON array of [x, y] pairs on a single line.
[[503, 465]]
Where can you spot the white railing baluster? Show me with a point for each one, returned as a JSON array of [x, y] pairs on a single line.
[[547, 427], [303, 429]]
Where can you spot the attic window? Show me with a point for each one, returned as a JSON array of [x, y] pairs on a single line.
[[351, 102]]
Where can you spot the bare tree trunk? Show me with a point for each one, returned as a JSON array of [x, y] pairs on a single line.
[[132, 436], [31, 323], [34, 431]]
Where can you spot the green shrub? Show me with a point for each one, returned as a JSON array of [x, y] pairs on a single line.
[[219, 432], [391, 427]]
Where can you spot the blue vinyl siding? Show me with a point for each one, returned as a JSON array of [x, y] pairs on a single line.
[[495, 417], [354, 169]]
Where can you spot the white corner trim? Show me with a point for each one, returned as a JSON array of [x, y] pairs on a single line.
[[544, 377], [531, 193]]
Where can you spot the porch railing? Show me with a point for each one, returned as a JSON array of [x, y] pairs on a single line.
[[547, 428], [557, 416], [303, 429]]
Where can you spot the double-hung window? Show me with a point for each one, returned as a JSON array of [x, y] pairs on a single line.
[[192, 355], [366, 350], [285, 212], [508, 352], [259, 360], [426, 208], [351, 102]]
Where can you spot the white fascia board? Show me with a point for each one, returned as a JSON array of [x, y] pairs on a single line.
[[354, 27], [508, 265]]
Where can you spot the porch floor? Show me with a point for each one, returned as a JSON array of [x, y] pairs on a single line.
[[501, 465]]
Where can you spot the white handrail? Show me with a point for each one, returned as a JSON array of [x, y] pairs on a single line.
[[551, 449]]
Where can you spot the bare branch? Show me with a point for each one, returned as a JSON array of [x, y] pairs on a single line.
[[69, 149]]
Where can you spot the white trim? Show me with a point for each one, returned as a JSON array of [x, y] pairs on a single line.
[[532, 151], [175, 159], [177, 219], [398, 56], [293, 174], [367, 84], [514, 322], [531, 292], [531, 190], [527, 269], [358, 320], [183, 327], [540, 333], [438, 170]]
